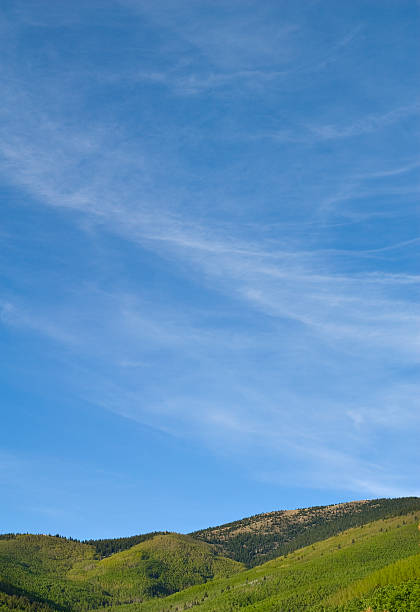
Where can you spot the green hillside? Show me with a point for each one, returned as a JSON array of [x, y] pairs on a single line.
[[157, 567], [259, 538], [36, 567], [376, 565], [372, 565], [49, 572], [21, 602], [396, 586]]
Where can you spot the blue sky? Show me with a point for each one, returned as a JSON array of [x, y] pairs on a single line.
[[209, 260]]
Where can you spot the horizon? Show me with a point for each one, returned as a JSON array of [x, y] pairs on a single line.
[[162, 531], [238, 520], [209, 272]]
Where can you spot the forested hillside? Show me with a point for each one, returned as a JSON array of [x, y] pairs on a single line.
[[37, 567], [259, 538], [156, 567], [61, 574], [375, 564]]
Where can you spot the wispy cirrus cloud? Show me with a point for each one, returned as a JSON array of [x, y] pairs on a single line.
[[319, 132], [47, 165], [290, 335], [366, 125]]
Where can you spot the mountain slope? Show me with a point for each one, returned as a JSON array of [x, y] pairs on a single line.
[[36, 567], [259, 538], [159, 566], [366, 565], [49, 572], [22, 603], [315, 578], [395, 586]]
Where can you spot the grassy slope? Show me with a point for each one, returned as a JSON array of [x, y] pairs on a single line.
[[310, 578], [259, 538], [394, 587], [159, 566]]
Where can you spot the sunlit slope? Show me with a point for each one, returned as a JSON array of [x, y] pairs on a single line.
[[259, 538], [394, 587], [159, 566], [35, 567], [309, 578]]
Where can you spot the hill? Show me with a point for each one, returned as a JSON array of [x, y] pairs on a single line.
[[50, 572], [159, 566], [259, 538], [35, 567], [375, 566]]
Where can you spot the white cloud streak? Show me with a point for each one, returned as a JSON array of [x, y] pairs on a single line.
[[105, 181]]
